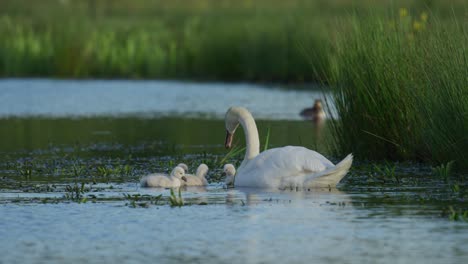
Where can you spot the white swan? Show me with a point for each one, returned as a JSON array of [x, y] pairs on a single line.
[[164, 180], [280, 167], [230, 172], [198, 179]]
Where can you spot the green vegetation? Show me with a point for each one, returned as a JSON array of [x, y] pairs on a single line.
[[398, 69], [443, 171], [387, 171], [401, 89], [457, 215], [288, 41], [267, 140], [76, 192], [156, 39], [176, 200]]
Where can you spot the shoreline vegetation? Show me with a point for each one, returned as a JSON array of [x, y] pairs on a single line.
[[401, 90], [398, 69]]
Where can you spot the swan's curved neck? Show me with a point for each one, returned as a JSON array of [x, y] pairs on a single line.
[[251, 135]]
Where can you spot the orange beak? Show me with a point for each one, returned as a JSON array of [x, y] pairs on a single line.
[[228, 141]]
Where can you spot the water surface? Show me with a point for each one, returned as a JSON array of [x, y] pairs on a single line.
[[72, 153], [59, 98], [236, 226]]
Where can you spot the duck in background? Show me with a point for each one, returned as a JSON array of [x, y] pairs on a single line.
[[314, 113]]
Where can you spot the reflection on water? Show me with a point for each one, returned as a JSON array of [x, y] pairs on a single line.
[[132, 134]]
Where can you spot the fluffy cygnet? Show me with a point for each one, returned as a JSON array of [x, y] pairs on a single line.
[[163, 180], [230, 172], [199, 178]]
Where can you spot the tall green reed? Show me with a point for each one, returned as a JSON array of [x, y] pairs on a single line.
[[400, 87]]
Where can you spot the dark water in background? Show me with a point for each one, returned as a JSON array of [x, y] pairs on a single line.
[[106, 134]]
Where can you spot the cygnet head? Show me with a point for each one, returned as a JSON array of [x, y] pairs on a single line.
[[183, 166], [230, 172], [179, 173], [202, 170]]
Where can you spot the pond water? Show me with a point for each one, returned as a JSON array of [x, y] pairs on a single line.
[[60, 98], [72, 152], [236, 226]]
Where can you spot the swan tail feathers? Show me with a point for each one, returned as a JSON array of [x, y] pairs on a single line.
[[332, 176]]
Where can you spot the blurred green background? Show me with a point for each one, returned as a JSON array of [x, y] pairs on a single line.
[[229, 40], [398, 69]]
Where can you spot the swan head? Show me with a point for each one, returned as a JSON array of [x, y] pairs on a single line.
[[230, 172], [183, 166], [202, 170], [179, 173], [232, 123]]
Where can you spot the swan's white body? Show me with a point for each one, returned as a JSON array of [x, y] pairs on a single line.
[[280, 167], [230, 171], [164, 180], [199, 178]]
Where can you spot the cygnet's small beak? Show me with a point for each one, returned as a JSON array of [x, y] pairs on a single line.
[[228, 141], [224, 173], [184, 179]]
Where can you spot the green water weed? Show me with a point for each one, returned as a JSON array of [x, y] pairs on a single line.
[[387, 171], [176, 201], [443, 171], [76, 192], [457, 215]]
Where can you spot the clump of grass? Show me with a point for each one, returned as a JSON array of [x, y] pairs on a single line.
[[457, 215], [387, 171], [26, 173], [127, 170], [76, 193], [400, 89], [25, 169], [443, 170], [78, 170], [119, 170], [176, 200]]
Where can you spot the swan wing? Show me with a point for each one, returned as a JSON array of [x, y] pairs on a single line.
[[271, 167], [293, 160]]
